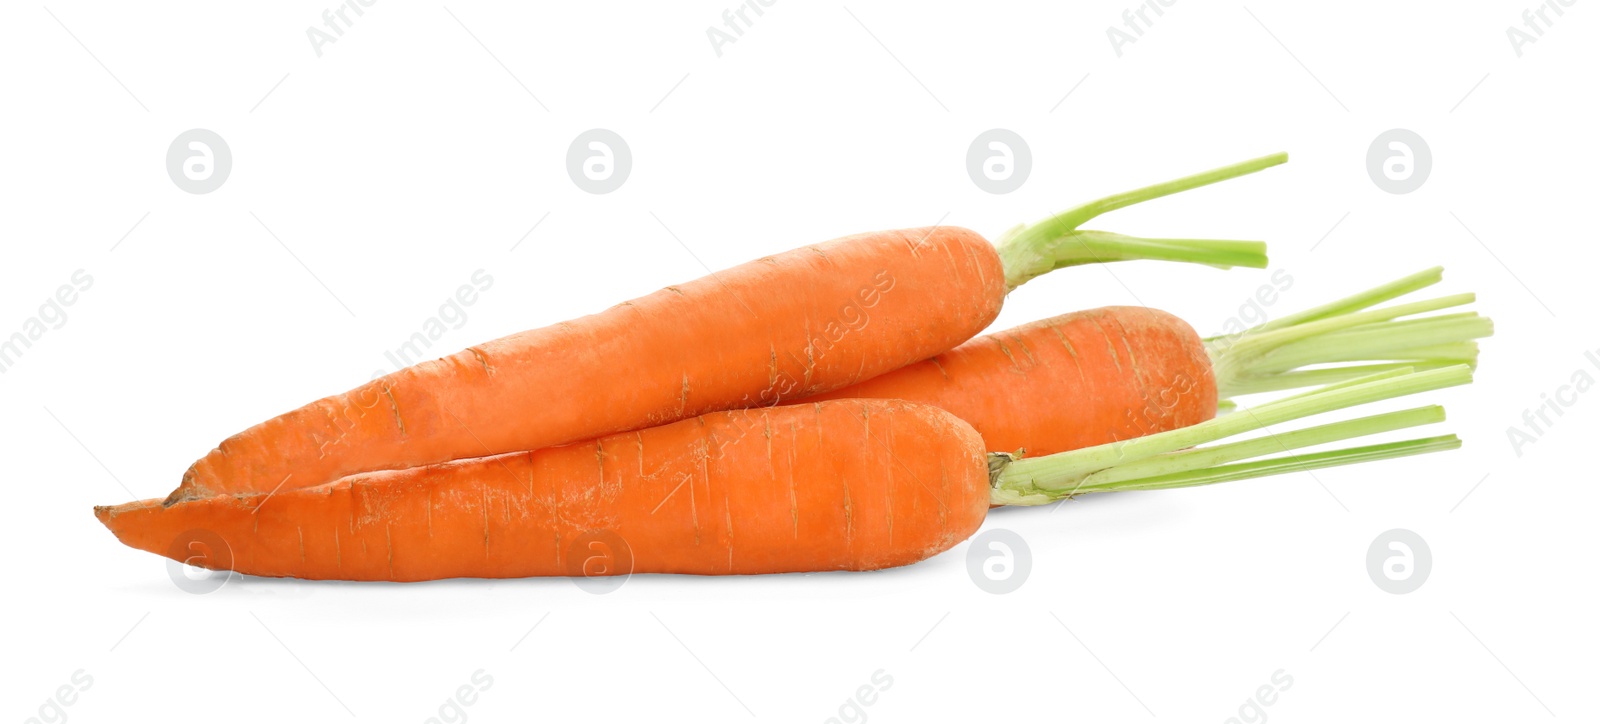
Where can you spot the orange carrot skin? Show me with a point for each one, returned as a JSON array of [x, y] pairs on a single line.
[[776, 329], [1065, 383], [840, 485]]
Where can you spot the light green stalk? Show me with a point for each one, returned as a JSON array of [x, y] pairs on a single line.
[[1370, 298], [1165, 460], [1205, 457], [1280, 354], [1297, 379], [1292, 464], [1029, 251]]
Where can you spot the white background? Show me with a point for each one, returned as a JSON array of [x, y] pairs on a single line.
[[411, 154]]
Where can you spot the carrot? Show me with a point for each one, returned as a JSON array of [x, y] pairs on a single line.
[[835, 485], [779, 328], [1115, 373], [1065, 383]]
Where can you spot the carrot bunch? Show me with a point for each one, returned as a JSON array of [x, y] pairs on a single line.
[[768, 433], [774, 329], [854, 484]]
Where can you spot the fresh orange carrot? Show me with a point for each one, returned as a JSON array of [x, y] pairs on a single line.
[[838, 485], [778, 328], [1067, 382], [1115, 373], [835, 485]]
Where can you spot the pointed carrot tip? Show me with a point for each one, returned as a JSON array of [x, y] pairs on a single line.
[[108, 514]]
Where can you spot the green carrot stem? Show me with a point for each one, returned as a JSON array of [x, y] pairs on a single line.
[[1073, 218], [1260, 342], [1450, 340], [1297, 379], [1030, 251], [1356, 302], [1087, 246], [1348, 330], [1435, 329], [1060, 474], [1456, 347], [1374, 376], [1283, 465], [1207, 457]]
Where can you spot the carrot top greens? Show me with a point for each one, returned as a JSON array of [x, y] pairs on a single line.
[[1280, 354], [1165, 460], [1028, 251]]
